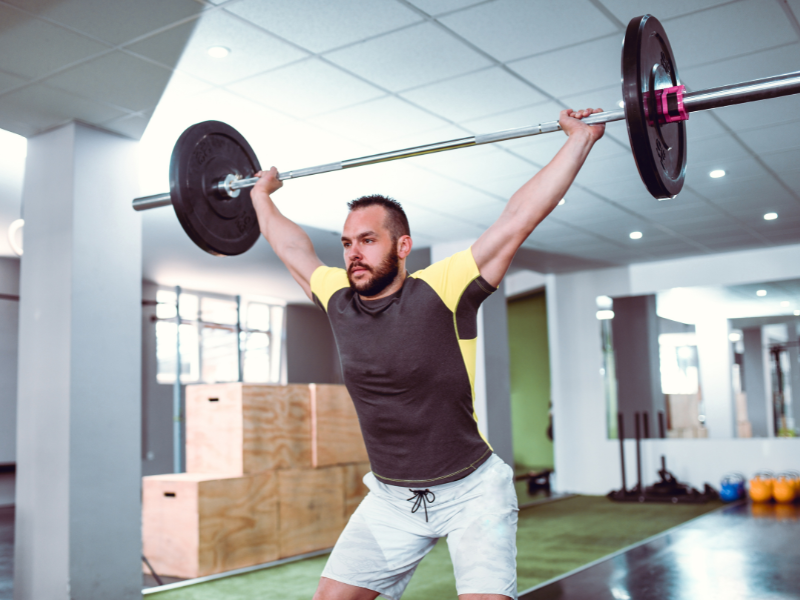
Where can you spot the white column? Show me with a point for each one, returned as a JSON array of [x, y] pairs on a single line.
[[716, 383], [78, 532]]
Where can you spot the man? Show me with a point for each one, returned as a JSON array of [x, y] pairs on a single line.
[[407, 344]]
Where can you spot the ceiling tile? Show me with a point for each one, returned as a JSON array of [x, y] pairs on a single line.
[[8, 81], [477, 165], [132, 126], [36, 108], [597, 62], [784, 136], [21, 50], [438, 7], [607, 98], [368, 122], [756, 65], [114, 21], [185, 47], [403, 59], [755, 115], [512, 119], [701, 125], [607, 170], [625, 10], [306, 88], [474, 95], [140, 88], [783, 162], [736, 171], [321, 25], [714, 151], [730, 30], [510, 29]]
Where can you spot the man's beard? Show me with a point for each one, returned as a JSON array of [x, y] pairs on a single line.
[[382, 275]]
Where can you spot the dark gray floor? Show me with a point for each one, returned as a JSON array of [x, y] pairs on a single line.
[[742, 552]]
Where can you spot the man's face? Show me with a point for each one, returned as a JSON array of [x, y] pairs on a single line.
[[370, 254]]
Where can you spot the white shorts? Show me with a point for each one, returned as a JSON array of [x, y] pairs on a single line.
[[384, 541]]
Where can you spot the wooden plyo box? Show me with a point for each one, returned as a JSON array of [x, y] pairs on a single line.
[[199, 524], [239, 428], [315, 505]]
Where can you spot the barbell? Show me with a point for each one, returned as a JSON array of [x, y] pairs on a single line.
[[212, 165]]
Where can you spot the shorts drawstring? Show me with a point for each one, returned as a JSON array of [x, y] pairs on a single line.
[[421, 497]]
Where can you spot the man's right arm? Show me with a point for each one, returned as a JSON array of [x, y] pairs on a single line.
[[288, 240]]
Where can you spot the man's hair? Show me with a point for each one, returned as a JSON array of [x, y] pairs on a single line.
[[396, 220]]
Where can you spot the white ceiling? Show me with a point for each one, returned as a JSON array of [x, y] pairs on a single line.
[[314, 81]]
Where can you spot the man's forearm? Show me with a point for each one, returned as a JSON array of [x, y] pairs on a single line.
[[539, 196], [283, 234]]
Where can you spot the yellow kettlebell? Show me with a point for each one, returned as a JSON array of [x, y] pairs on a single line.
[[785, 487], [761, 487]]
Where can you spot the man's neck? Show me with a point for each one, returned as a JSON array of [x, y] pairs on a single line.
[[390, 289]]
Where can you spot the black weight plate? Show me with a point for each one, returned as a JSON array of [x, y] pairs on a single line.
[[203, 155], [658, 148]]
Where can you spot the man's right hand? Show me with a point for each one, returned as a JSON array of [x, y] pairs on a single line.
[[267, 183]]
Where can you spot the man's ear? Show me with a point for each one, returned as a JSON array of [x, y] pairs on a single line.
[[404, 245]]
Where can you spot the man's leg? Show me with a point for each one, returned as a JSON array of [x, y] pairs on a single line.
[[483, 597], [328, 589]]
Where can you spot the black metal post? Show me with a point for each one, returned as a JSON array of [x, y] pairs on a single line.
[[646, 425], [621, 435], [638, 455], [661, 429]]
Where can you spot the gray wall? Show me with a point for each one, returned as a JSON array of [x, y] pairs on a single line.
[[156, 397], [498, 378], [635, 328], [9, 326], [753, 380]]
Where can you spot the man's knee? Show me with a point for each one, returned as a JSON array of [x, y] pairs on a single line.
[[330, 589]]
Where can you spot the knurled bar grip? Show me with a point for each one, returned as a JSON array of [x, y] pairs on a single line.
[[749, 91]]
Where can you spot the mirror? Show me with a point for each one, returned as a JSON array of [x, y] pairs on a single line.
[[703, 362]]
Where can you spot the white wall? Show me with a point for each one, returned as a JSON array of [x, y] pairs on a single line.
[[585, 459]]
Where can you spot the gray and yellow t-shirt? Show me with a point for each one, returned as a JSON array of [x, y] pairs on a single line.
[[409, 364]]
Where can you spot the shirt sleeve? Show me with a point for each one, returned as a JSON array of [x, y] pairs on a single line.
[[325, 282], [450, 277]]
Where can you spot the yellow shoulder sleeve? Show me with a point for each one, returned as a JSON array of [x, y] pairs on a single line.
[[451, 276], [326, 281]]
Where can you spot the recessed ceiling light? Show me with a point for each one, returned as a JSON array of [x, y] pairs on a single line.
[[621, 104], [785, 303], [770, 216], [562, 201], [717, 173], [636, 235], [218, 51], [797, 313], [735, 337], [761, 293], [604, 315]]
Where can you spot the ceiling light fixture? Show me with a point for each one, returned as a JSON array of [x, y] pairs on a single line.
[[761, 293], [621, 104], [636, 235], [785, 303], [717, 173], [734, 336], [604, 315], [797, 313], [218, 51], [770, 216], [562, 201]]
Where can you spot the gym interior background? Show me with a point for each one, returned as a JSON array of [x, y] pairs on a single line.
[[617, 303]]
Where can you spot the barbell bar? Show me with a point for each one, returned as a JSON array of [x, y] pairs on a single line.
[[212, 163], [727, 95]]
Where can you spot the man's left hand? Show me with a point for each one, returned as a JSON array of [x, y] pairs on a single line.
[[570, 122]]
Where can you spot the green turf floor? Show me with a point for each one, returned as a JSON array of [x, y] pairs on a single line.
[[552, 539]]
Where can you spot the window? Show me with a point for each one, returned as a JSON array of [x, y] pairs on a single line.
[[222, 339]]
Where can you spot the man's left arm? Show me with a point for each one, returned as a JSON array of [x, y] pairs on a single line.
[[529, 205]]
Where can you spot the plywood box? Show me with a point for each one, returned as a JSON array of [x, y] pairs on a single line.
[[199, 524], [312, 509], [354, 489], [239, 428]]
